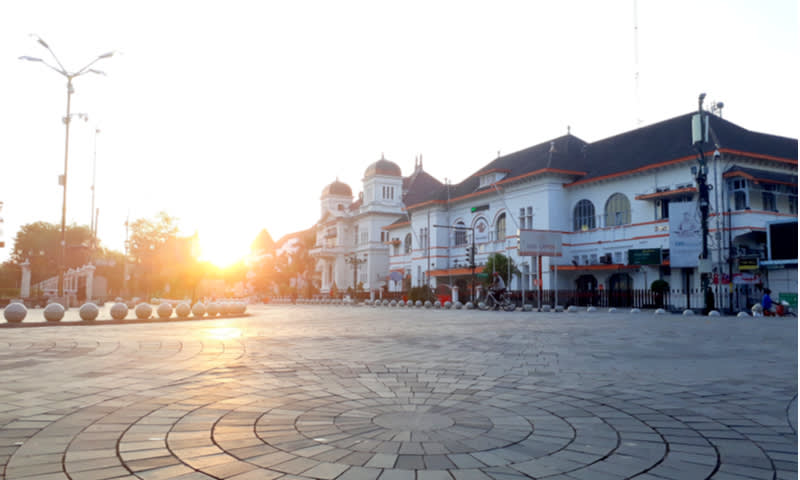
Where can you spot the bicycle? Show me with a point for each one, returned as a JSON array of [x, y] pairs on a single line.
[[503, 302]]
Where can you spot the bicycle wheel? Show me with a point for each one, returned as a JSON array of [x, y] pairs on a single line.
[[508, 305]]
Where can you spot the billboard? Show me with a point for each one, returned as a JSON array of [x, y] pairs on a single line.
[[782, 240], [685, 235], [541, 243]]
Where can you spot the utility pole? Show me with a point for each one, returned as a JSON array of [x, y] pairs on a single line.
[[699, 138]]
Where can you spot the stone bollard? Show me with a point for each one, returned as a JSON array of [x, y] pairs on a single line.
[[183, 310], [119, 311], [54, 312], [164, 310], [15, 312], [88, 312], [143, 311]]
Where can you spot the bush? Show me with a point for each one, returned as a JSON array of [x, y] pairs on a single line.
[[421, 293]]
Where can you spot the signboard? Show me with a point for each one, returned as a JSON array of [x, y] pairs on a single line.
[[790, 298], [481, 231], [685, 234], [782, 240], [644, 256], [746, 278], [541, 243], [746, 264]]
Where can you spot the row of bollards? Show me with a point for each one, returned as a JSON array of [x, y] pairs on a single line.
[[54, 312], [467, 306]]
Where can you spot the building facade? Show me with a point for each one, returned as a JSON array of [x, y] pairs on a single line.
[[608, 202]]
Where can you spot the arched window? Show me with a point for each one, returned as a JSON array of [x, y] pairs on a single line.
[[501, 227], [618, 210], [460, 235], [583, 216], [407, 244]]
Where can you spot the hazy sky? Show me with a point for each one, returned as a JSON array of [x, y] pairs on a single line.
[[232, 116]]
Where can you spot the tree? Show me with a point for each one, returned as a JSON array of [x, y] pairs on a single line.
[[263, 244], [499, 263], [304, 265], [148, 251], [39, 243]]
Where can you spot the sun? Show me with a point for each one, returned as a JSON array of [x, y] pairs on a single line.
[[220, 250]]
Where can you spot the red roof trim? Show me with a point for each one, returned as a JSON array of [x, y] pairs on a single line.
[[668, 193]]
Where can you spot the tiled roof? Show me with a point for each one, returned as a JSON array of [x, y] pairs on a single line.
[[647, 147], [758, 175]]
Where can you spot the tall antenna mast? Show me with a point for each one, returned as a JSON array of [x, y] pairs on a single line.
[[636, 61]]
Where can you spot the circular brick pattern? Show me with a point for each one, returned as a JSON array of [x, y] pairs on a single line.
[[338, 398]]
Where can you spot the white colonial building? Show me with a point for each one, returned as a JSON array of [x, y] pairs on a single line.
[[607, 201]]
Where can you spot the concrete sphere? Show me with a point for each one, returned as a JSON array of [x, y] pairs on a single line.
[[119, 311], [591, 309], [143, 310], [572, 309], [688, 312], [448, 304], [635, 310], [418, 303], [89, 312], [183, 310], [437, 304], [660, 311], [458, 305], [385, 303], [469, 306], [527, 307], [198, 310], [428, 304], [742, 314], [713, 313], [164, 310], [393, 303], [54, 312], [546, 308], [213, 309], [118, 299], [612, 310], [15, 312], [481, 305]]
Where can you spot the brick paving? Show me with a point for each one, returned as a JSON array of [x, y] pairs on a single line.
[[366, 393]]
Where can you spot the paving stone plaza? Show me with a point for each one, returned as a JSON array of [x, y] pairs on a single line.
[[365, 393]]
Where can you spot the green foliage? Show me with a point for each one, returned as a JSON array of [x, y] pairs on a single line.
[[9, 292], [659, 286], [421, 293], [263, 243], [39, 243], [10, 275], [499, 263]]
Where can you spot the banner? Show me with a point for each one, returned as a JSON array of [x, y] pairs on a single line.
[[685, 235], [540, 243]]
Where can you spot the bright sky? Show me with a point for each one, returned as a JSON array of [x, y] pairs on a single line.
[[233, 116]]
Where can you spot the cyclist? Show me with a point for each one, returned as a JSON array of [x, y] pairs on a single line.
[[498, 287]]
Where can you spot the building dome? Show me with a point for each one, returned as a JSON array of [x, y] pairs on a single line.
[[383, 167], [337, 188]]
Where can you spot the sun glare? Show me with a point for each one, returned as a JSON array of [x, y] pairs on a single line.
[[220, 251]]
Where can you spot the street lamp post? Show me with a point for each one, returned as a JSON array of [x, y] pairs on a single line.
[[61, 70]]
